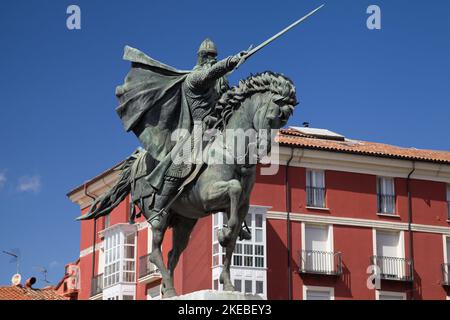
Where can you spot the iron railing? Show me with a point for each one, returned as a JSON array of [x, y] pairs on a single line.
[[320, 262], [315, 197], [445, 274], [393, 268], [146, 267], [386, 203], [97, 285]]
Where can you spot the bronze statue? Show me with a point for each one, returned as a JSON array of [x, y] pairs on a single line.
[[161, 106]]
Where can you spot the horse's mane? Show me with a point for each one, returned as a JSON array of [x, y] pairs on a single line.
[[267, 81]]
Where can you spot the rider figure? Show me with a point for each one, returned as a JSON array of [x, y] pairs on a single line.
[[203, 87]]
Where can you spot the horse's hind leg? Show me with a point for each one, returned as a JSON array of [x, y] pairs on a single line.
[[182, 228], [156, 255]]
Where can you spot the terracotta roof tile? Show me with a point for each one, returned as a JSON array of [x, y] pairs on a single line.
[[21, 293], [295, 138]]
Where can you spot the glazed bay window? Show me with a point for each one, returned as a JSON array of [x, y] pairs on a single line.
[[248, 266], [119, 276], [315, 188], [386, 195]]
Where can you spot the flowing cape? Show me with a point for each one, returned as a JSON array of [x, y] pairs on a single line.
[[155, 90]]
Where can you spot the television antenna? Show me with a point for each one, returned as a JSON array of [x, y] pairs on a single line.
[[44, 272], [15, 257]]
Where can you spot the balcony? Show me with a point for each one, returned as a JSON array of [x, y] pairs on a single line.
[[97, 285], [320, 262], [147, 270], [393, 268], [445, 274], [315, 197]]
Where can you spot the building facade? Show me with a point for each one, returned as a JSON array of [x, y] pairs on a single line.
[[340, 219]]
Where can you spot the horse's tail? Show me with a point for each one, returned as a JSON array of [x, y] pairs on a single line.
[[111, 199]]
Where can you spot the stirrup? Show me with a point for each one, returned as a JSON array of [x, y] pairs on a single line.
[[156, 215]]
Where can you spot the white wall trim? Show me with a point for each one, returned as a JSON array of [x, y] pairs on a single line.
[[312, 218], [444, 239], [393, 293], [316, 288]]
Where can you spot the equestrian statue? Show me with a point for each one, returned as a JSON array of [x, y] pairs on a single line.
[[189, 165]]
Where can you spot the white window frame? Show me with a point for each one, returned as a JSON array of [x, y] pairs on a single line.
[[394, 212], [330, 234], [448, 202], [314, 206], [329, 290], [401, 241], [446, 241], [330, 238], [243, 273], [401, 295], [119, 289]]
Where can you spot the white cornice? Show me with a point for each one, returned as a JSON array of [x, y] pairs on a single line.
[[365, 223]]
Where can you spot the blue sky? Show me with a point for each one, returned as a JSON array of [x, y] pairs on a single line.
[[58, 127]]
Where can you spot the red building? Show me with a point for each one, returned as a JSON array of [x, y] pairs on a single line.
[[336, 209]]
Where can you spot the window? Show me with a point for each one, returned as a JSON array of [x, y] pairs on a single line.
[[317, 249], [390, 255], [386, 195], [248, 266], [119, 276], [112, 260], [315, 188], [389, 295], [446, 264], [318, 293], [448, 202]]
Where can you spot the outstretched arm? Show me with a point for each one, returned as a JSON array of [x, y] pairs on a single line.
[[202, 79]]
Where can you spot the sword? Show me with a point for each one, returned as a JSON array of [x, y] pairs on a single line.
[[279, 34]]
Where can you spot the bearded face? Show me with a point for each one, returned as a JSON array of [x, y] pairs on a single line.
[[206, 59]]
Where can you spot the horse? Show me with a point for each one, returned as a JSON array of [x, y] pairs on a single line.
[[259, 103]]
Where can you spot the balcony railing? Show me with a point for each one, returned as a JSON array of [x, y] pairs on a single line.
[[445, 274], [386, 203], [97, 285], [315, 197], [393, 268], [320, 262], [146, 268]]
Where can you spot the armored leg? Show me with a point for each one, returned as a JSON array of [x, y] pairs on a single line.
[[162, 198]]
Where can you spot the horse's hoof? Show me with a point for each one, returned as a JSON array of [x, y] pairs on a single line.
[[228, 287], [169, 293], [222, 237]]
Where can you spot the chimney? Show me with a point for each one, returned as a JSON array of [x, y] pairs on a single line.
[[30, 282]]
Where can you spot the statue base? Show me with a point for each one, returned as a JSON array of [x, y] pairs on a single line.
[[217, 295]]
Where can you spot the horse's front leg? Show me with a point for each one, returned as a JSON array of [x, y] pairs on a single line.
[[228, 236], [234, 193], [225, 276]]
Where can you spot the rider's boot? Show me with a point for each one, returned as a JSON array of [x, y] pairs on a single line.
[[162, 198]]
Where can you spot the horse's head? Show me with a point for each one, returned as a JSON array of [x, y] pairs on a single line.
[[277, 101], [268, 100]]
